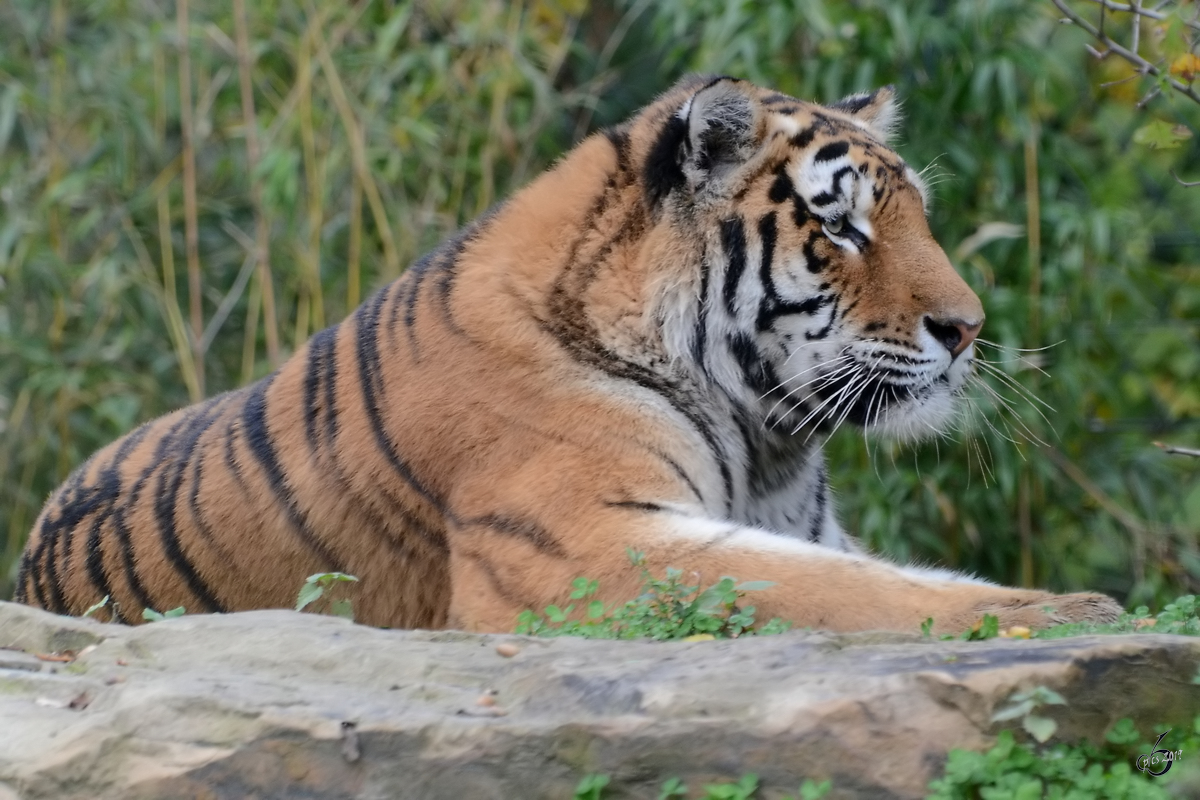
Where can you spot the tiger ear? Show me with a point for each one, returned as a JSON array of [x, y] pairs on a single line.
[[877, 111], [721, 131]]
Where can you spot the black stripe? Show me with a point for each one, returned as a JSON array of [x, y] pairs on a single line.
[[166, 499], [815, 263], [636, 505], [330, 380], [258, 439], [836, 177], [823, 199], [821, 334], [317, 373], [855, 102], [700, 330], [618, 137], [680, 473], [370, 375], [20, 593], [107, 488], [782, 187], [529, 530], [235, 469], [663, 173], [804, 138], [733, 242], [57, 598], [832, 152], [818, 520], [800, 213], [756, 372]]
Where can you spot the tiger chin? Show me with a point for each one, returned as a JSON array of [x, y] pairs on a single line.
[[645, 348]]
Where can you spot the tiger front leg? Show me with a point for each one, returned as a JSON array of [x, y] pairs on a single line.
[[504, 564]]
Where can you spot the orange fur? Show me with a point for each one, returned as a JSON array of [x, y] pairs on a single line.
[[560, 383]]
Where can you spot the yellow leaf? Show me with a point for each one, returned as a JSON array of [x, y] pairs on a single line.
[[1186, 66], [699, 637]]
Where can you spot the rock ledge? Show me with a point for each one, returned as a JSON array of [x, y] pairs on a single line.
[[275, 704]]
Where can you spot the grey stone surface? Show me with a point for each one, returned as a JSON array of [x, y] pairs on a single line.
[[274, 704]]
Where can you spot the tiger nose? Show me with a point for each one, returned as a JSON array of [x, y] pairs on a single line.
[[955, 335]]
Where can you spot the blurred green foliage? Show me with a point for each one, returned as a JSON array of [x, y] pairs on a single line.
[[383, 125]]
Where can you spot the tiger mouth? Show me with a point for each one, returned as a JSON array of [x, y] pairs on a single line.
[[866, 400]]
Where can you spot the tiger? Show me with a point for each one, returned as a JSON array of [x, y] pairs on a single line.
[[645, 349]]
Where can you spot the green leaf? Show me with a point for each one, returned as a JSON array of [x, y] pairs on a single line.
[[342, 608], [92, 609], [927, 627], [810, 790], [591, 787], [310, 592], [151, 615], [754, 586], [174, 612], [673, 787], [1040, 728], [1161, 135], [1013, 711], [1124, 732]]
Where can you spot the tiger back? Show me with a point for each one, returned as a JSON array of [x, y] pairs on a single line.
[[645, 348]]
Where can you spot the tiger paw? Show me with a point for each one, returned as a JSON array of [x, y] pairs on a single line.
[[1043, 609]]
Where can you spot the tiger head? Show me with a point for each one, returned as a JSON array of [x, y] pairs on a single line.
[[821, 296]]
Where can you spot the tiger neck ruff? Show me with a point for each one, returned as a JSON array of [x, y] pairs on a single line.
[[645, 348]]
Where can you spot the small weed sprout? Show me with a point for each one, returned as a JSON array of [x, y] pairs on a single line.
[[1025, 704], [667, 609], [150, 615], [323, 586], [94, 607]]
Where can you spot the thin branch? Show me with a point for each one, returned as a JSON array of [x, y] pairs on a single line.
[[1141, 12], [1131, 523], [1179, 451], [1182, 182], [1124, 53]]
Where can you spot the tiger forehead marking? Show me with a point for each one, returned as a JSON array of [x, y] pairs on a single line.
[[644, 349]]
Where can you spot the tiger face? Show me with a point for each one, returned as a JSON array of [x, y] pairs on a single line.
[[824, 297]]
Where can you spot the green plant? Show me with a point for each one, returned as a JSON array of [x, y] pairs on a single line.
[[322, 586], [988, 627], [1025, 705], [1010, 770], [666, 609], [150, 615], [591, 787], [94, 607]]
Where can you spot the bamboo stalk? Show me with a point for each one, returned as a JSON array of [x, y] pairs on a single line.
[[354, 254], [169, 300], [358, 153], [250, 335], [16, 419], [191, 236], [313, 174], [261, 228], [1033, 227], [58, 22]]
